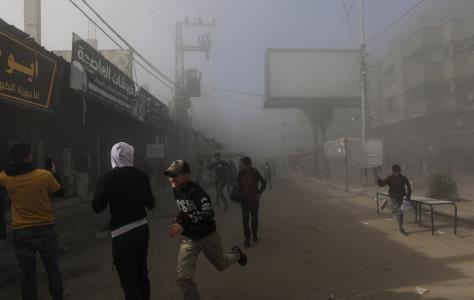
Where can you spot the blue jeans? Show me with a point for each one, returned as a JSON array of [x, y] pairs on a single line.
[[27, 242]]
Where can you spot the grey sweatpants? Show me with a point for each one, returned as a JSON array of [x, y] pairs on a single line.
[[188, 254], [396, 207]]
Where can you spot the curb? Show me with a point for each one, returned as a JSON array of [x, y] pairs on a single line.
[[370, 195]]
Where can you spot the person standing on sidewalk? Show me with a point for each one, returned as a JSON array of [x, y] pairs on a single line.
[[251, 185], [32, 220], [127, 192], [221, 168], [398, 187], [195, 222]]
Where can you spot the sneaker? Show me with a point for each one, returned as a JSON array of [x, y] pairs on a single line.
[[247, 244], [384, 204], [403, 232], [243, 257]]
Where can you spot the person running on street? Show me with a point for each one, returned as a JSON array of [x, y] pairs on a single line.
[[32, 220], [398, 187], [221, 169], [267, 173], [251, 185], [127, 192], [232, 176], [195, 222]]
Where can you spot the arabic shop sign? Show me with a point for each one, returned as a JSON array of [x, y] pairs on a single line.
[[26, 75], [94, 75], [155, 111]]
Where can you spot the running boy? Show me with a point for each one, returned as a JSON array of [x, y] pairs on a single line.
[[195, 222], [398, 187]]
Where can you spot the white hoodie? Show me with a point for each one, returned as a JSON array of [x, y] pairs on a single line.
[[121, 155]]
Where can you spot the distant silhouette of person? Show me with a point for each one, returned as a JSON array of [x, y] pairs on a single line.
[[221, 169], [268, 174], [251, 185]]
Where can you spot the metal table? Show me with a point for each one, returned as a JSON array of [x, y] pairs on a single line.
[[419, 202]]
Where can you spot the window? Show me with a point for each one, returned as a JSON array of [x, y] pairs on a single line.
[[391, 104], [470, 44], [453, 88], [389, 74], [445, 50], [458, 47]]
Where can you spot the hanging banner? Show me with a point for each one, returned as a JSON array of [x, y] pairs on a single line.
[[335, 148], [95, 76], [154, 111], [361, 155], [155, 151], [365, 155], [27, 75]]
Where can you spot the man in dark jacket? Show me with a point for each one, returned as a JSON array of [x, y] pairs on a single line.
[[251, 185], [398, 187], [126, 190], [221, 169], [195, 222]]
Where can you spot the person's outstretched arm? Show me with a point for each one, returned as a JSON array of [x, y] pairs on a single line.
[[384, 182]]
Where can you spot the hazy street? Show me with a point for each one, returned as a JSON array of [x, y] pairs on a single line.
[[314, 242]]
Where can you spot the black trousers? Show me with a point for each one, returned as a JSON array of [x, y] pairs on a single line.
[[3, 224], [130, 252], [250, 211]]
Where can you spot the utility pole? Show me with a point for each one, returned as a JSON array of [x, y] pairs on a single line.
[[363, 67], [32, 19], [181, 97], [363, 83]]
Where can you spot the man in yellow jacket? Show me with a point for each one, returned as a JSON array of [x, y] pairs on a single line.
[[32, 220]]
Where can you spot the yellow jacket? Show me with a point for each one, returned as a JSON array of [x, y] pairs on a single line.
[[29, 189]]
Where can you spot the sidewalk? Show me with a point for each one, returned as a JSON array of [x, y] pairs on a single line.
[[465, 204]]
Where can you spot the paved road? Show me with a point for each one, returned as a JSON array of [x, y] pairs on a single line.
[[315, 241]]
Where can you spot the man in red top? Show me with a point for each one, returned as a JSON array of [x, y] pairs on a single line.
[[251, 186]]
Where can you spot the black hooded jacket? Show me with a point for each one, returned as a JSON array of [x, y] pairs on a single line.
[[127, 191]]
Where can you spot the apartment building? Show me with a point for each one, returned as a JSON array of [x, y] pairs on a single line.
[[426, 99]]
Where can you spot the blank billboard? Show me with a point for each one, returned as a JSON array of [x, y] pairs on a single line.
[[312, 74]]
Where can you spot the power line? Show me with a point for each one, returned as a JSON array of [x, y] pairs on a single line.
[[346, 13], [128, 44], [395, 21], [152, 11], [118, 44], [233, 91], [352, 6]]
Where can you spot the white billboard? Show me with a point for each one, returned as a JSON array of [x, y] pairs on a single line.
[[312, 74]]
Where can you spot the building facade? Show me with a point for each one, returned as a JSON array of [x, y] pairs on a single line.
[[426, 99]]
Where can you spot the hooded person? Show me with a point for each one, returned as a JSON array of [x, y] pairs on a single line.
[[127, 192]]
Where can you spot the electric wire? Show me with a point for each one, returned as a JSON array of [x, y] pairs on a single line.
[[346, 14], [402, 16], [232, 91], [118, 44], [129, 45]]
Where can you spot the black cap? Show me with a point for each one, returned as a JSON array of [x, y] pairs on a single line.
[[177, 167]]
